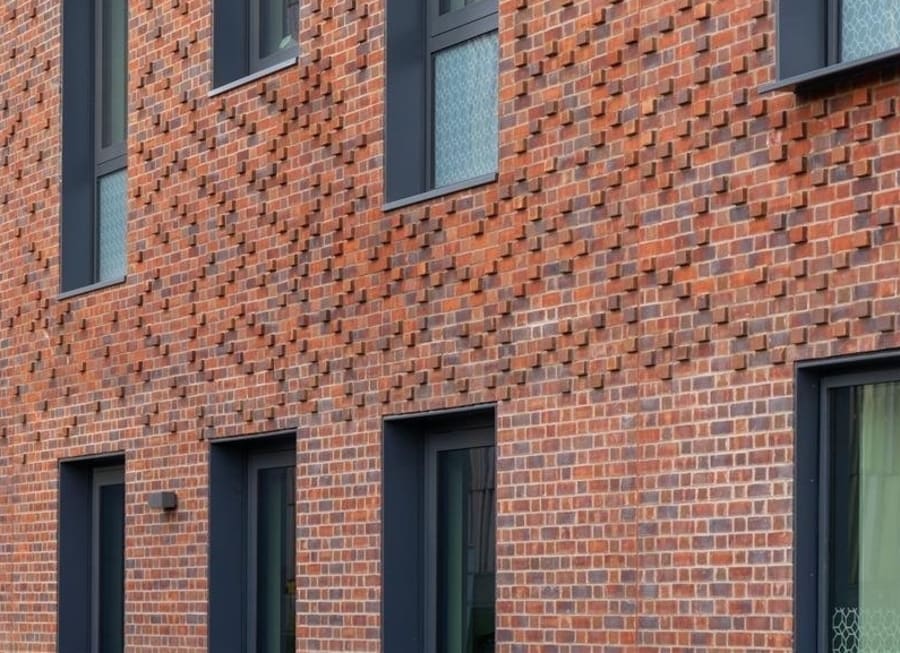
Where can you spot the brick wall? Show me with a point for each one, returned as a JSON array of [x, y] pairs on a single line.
[[663, 242]]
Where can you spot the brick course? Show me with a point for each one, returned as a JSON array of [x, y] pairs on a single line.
[[662, 243]]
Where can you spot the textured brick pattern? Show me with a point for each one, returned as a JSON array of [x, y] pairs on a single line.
[[662, 243]]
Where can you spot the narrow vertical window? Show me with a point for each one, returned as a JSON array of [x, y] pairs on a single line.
[[108, 560], [465, 574], [95, 107], [272, 554], [91, 580], [252, 550]]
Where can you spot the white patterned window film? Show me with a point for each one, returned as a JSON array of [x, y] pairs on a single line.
[[465, 110], [111, 225], [869, 27]]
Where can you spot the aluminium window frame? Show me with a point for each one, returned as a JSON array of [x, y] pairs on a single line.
[[808, 45], [236, 58], [404, 520], [444, 32], [229, 600], [77, 546], [256, 462], [436, 443], [114, 157], [812, 483], [101, 477]]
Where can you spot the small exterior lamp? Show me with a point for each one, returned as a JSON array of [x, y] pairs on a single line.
[[163, 500]]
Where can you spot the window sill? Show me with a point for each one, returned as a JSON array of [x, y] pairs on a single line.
[[252, 77], [440, 192], [100, 285], [829, 72]]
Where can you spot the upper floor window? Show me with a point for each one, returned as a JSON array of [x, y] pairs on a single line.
[[441, 95], [253, 36], [821, 37], [94, 214], [869, 27]]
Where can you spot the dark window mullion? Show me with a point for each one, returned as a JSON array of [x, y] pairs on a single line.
[[833, 32]]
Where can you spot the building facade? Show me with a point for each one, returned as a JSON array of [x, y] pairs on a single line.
[[447, 325]]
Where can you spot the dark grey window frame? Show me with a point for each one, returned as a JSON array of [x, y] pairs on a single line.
[[812, 483], [85, 160], [236, 47], [77, 572], [232, 534], [411, 443], [415, 32], [808, 45]]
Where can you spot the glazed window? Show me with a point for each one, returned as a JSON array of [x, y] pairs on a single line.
[[95, 206], [442, 126], [253, 37]]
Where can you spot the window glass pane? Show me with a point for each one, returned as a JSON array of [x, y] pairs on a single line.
[[275, 561], [113, 71], [465, 110], [465, 550], [279, 22], [869, 27], [865, 527], [447, 6], [111, 224], [111, 543]]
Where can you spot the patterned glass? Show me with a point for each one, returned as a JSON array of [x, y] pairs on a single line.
[[111, 224], [869, 27], [465, 110]]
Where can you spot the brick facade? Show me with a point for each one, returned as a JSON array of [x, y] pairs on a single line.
[[663, 242]]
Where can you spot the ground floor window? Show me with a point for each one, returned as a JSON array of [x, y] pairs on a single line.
[[92, 556], [252, 547], [847, 537], [440, 522]]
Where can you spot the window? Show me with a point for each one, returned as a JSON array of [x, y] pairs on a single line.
[[252, 545], [92, 556], [440, 534], [820, 37], [253, 36], [441, 95], [94, 211], [848, 530]]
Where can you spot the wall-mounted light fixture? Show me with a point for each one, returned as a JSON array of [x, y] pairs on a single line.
[[163, 500]]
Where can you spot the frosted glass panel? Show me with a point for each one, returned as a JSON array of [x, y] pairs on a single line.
[[465, 110], [111, 224], [869, 27]]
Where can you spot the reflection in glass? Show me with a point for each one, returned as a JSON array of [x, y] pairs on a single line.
[[279, 22], [869, 27], [113, 71], [465, 110], [111, 543], [448, 6], [465, 550], [865, 524], [275, 561]]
